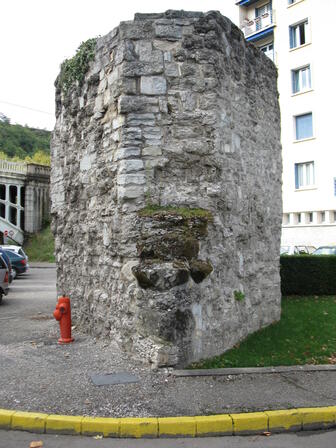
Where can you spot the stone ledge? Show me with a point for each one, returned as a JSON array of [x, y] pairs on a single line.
[[254, 370]]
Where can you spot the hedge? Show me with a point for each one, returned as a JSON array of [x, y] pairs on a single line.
[[308, 274]]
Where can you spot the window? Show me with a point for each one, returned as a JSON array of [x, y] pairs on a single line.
[[304, 175], [268, 50], [262, 10], [285, 219], [303, 126], [301, 79], [263, 16], [322, 216], [298, 34]]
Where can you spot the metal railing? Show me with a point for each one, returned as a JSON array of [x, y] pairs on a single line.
[[252, 26]]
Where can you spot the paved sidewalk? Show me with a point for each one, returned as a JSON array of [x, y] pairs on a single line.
[[37, 374]]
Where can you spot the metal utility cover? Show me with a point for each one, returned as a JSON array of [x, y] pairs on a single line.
[[114, 378]]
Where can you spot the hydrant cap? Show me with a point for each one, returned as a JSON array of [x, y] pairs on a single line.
[[57, 313]]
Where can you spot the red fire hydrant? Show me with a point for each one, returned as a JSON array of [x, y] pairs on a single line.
[[62, 313]]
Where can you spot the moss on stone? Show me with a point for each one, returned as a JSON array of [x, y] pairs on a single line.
[[152, 210], [199, 270], [169, 246]]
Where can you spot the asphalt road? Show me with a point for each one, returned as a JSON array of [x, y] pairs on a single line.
[[28, 306], [326, 439]]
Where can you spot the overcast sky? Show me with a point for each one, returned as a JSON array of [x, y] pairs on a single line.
[[37, 35]]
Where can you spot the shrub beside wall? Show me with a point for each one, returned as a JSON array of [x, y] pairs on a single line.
[[308, 274]]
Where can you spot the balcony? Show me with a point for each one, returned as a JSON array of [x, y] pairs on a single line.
[[258, 28], [245, 2]]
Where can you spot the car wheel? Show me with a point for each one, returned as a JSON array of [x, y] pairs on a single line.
[[1, 297], [14, 272]]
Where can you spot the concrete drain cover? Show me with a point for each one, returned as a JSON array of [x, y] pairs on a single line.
[[114, 378]]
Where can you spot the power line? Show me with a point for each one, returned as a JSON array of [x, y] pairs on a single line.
[[26, 107]]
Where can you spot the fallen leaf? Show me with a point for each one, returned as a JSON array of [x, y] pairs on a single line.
[[266, 433], [36, 444], [332, 359], [97, 437]]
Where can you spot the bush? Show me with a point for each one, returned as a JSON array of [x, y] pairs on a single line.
[[308, 274]]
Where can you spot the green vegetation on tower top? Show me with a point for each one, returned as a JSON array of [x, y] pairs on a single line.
[[74, 69], [185, 212]]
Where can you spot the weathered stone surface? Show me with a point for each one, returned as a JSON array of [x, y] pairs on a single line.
[[160, 276], [176, 110], [153, 85]]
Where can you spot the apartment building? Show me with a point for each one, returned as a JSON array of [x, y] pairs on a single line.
[[296, 35]]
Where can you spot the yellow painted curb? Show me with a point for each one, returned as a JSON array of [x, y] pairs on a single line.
[[249, 423], [313, 418], [29, 421], [107, 427], [151, 427], [214, 425], [139, 427], [280, 421], [64, 424], [6, 418], [177, 427]]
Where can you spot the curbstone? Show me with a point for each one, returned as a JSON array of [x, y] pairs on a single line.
[[108, 427], [177, 427], [139, 427], [249, 423], [172, 427], [64, 424], [6, 418], [29, 421], [214, 425], [318, 418], [281, 421]]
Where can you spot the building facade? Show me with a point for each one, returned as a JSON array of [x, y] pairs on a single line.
[[24, 199], [294, 34]]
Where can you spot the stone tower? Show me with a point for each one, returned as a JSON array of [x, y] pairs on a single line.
[[166, 188]]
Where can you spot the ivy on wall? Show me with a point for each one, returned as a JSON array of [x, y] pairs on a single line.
[[74, 69]]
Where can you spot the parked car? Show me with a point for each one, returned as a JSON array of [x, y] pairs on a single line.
[[19, 263], [4, 278], [17, 249], [296, 250], [325, 250], [9, 265]]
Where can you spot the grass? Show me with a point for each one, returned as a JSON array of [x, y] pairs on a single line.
[[40, 247], [306, 334], [185, 212]]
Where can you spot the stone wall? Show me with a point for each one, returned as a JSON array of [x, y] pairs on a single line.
[[166, 188]]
